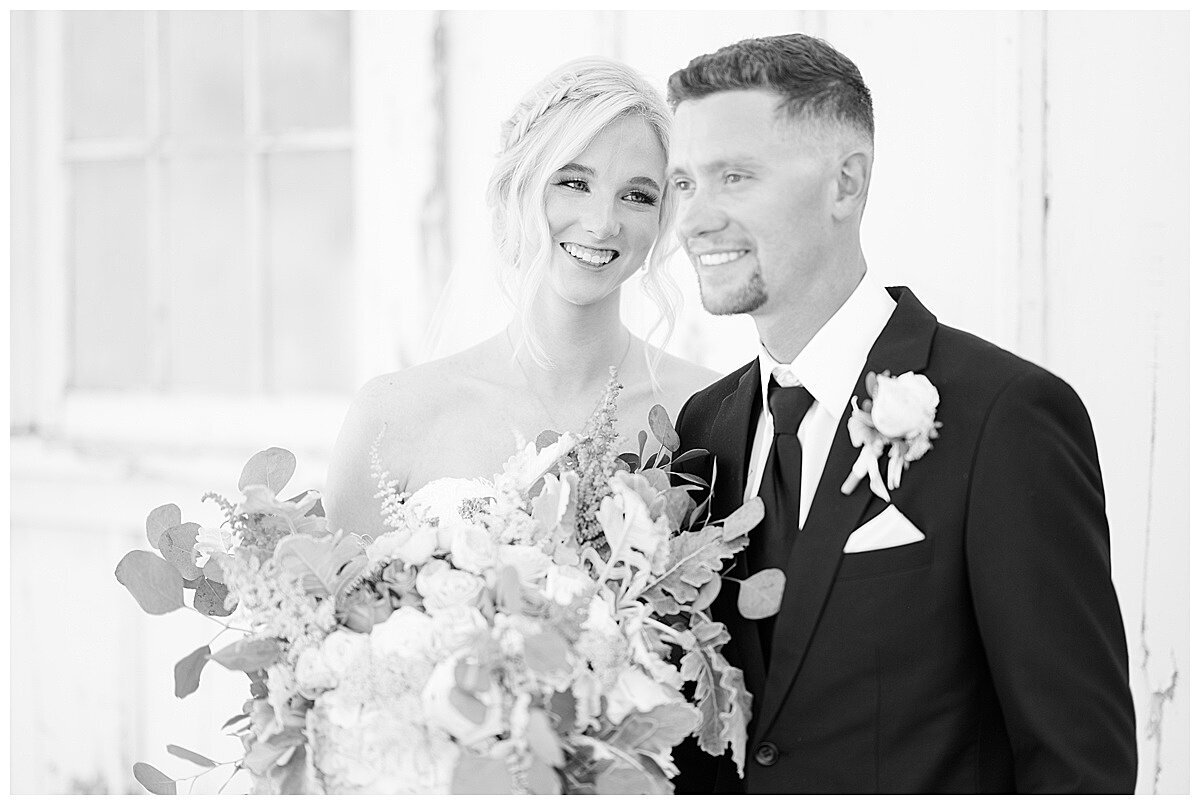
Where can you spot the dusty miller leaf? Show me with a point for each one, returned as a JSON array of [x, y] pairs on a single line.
[[152, 779], [720, 693], [248, 654], [475, 774], [694, 558], [177, 545], [546, 438], [663, 430], [677, 504], [735, 720], [624, 778], [159, 520], [657, 731], [187, 671], [317, 510], [272, 468], [153, 581], [744, 519], [189, 755], [707, 594], [761, 594]]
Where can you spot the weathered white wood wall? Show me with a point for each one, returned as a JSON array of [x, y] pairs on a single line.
[[1030, 186]]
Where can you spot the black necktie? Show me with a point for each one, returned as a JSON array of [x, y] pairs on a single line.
[[771, 543]]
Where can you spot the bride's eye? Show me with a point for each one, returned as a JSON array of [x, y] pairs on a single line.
[[573, 184], [639, 197]]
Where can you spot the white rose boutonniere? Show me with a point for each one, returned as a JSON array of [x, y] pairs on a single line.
[[898, 418]]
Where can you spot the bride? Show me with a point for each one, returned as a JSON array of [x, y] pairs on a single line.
[[578, 207]]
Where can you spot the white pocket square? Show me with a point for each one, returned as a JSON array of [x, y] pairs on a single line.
[[888, 529]]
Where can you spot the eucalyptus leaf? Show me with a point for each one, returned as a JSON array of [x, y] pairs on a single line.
[[546, 653], [189, 755], [152, 779], [249, 654], [235, 719], [663, 430], [762, 594], [213, 570], [187, 671], [292, 776], [476, 774], [642, 438], [272, 468], [154, 583], [317, 510], [210, 599], [177, 545], [631, 460], [467, 705], [692, 479], [159, 520], [678, 504], [744, 519], [688, 455]]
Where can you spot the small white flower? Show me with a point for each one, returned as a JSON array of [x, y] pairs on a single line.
[[407, 633], [210, 541]]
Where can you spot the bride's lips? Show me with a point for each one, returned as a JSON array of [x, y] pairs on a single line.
[[589, 257]]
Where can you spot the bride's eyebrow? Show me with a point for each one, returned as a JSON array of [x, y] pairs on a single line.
[[646, 182], [575, 167]]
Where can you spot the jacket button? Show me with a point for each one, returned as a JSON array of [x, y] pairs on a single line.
[[766, 754]]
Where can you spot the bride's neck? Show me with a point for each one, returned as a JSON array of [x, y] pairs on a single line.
[[582, 342]]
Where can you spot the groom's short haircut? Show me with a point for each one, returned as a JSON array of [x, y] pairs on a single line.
[[814, 80]]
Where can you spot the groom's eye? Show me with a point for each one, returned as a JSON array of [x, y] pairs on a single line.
[[734, 178], [682, 185]]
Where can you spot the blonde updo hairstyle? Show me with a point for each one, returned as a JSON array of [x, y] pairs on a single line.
[[551, 126]]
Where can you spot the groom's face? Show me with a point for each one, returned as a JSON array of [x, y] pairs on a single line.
[[754, 190]]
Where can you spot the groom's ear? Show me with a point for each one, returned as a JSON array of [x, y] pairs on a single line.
[[854, 176]]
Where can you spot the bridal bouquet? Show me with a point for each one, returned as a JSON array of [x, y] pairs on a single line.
[[532, 633]]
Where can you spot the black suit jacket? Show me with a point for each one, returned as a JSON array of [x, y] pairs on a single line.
[[989, 657]]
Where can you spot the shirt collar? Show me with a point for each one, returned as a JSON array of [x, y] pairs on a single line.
[[829, 365]]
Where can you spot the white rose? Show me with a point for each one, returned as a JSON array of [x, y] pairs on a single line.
[[472, 548], [341, 649], [442, 586], [408, 632], [600, 619], [565, 583], [456, 627], [904, 407], [443, 713], [419, 547], [531, 563], [635, 690]]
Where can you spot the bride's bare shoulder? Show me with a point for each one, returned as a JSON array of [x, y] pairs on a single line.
[[681, 379], [409, 397]]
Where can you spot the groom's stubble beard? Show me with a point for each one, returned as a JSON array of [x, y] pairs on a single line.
[[749, 297]]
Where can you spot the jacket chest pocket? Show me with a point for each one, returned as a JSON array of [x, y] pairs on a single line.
[[886, 561]]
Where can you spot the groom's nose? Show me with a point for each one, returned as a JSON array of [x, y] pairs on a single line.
[[600, 220], [697, 216]]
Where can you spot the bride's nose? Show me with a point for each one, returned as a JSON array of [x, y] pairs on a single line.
[[600, 220]]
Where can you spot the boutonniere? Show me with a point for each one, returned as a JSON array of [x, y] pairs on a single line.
[[898, 418]]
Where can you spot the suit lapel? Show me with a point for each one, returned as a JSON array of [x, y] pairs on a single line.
[[733, 428], [902, 346]]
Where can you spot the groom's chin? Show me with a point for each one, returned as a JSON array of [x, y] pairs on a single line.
[[745, 298]]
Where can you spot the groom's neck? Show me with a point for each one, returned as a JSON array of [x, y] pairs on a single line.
[[786, 328]]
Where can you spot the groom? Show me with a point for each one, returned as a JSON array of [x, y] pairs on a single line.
[[956, 631]]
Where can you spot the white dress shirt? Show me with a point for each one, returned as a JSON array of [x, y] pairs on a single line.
[[828, 366]]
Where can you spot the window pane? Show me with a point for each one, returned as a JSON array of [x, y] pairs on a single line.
[[212, 322], [111, 333], [309, 287], [105, 73], [305, 70], [204, 73]]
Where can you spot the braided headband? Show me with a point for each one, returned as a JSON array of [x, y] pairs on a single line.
[[521, 122]]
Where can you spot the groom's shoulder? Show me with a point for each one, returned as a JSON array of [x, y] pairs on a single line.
[[981, 370], [711, 395]]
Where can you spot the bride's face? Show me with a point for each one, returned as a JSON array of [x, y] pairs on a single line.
[[603, 209]]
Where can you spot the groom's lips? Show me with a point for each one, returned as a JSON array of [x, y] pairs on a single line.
[[715, 258]]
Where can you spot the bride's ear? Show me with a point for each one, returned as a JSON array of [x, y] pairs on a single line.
[[853, 178]]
